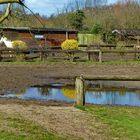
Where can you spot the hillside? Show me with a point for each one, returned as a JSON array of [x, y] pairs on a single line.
[[108, 17]]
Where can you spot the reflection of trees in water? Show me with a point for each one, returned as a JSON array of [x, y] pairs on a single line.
[[122, 92], [138, 94], [111, 97], [98, 94], [68, 92], [44, 91]]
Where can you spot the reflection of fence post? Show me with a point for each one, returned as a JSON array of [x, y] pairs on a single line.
[[80, 91]]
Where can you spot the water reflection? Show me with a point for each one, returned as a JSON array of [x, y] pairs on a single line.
[[67, 94], [113, 98], [44, 91], [45, 94]]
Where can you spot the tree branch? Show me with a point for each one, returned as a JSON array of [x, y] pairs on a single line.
[[8, 9], [10, 1]]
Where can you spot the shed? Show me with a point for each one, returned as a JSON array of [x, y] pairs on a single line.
[[131, 35], [50, 37]]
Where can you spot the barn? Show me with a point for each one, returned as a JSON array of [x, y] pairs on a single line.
[[39, 37]]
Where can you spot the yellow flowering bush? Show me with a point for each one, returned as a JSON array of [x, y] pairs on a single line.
[[18, 44], [69, 44]]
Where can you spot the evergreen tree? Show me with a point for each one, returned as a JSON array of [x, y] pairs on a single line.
[[76, 20]]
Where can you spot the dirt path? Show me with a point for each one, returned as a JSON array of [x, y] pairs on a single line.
[[63, 121]]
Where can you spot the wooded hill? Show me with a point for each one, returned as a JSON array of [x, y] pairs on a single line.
[[108, 17], [96, 19], [126, 15], [103, 19]]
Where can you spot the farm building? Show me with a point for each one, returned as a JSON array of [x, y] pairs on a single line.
[[49, 37], [128, 35]]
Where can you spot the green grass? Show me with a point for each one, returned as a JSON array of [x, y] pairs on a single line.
[[18, 128], [53, 62], [123, 123]]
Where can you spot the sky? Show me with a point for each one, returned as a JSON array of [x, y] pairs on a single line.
[[48, 7]]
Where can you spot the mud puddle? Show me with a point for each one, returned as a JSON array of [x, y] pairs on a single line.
[[93, 95]]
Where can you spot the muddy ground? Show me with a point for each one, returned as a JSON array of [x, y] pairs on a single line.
[[61, 119], [16, 77]]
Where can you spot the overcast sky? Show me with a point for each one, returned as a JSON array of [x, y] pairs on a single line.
[[48, 7]]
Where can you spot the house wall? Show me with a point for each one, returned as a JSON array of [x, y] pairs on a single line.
[[50, 38]]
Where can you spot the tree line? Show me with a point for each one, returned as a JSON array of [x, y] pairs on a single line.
[[98, 17], [89, 16]]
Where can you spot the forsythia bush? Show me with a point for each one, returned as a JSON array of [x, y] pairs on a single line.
[[69, 44], [18, 44]]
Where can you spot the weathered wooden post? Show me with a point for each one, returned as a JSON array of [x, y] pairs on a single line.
[[89, 58], [100, 56], [135, 53], [0, 55], [41, 53], [80, 91]]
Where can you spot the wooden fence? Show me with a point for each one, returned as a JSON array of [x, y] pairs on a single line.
[[73, 55], [101, 46]]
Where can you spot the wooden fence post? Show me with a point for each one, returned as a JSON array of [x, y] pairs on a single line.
[[0, 56], [100, 56], [41, 56], [80, 91], [135, 54], [89, 57]]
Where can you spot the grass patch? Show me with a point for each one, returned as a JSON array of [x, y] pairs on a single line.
[[53, 62], [123, 122], [84, 62], [18, 128]]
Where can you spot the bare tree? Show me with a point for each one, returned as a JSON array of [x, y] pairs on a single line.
[[8, 9]]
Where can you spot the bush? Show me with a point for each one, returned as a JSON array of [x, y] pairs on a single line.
[[18, 44], [96, 29], [69, 44], [120, 45], [20, 58]]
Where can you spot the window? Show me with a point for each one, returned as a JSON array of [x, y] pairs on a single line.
[[39, 36]]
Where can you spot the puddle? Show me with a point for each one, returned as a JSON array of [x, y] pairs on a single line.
[[58, 92]]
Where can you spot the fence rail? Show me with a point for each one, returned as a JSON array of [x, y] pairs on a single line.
[[105, 46], [96, 55]]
